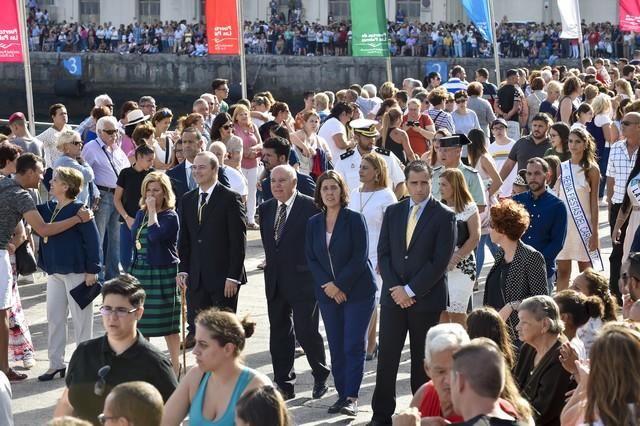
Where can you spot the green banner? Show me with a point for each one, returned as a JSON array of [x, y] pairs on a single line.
[[369, 26]]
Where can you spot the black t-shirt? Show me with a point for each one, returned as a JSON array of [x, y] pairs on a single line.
[[507, 96], [483, 420], [130, 180], [141, 361]]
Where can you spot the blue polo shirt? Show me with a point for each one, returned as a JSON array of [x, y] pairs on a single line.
[[547, 227]]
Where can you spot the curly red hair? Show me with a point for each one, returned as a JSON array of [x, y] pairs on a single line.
[[510, 219]]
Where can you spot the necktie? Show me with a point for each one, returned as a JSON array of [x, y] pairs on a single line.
[[191, 184], [203, 202], [280, 220], [411, 223]]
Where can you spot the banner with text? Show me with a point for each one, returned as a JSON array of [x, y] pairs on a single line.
[[630, 15], [10, 45], [222, 27], [478, 12], [369, 26]]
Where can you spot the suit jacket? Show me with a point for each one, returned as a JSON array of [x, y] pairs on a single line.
[[305, 185], [286, 271], [423, 265], [178, 176], [345, 261], [214, 250]]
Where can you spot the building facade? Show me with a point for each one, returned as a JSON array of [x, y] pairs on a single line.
[[126, 11]]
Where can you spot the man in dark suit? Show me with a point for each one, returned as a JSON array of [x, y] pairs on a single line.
[[181, 176], [212, 242], [291, 303], [275, 152], [416, 243]]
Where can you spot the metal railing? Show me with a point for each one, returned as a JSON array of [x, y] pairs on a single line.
[[41, 126]]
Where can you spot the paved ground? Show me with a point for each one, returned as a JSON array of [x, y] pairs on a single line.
[[33, 401]]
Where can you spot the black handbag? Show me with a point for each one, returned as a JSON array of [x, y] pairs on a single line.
[[463, 233], [25, 260]]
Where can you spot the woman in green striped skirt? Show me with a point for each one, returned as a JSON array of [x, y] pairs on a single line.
[[155, 265]]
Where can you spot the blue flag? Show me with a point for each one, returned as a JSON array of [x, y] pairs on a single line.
[[478, 12]]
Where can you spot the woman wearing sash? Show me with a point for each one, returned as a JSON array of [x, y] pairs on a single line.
[[577, 186]]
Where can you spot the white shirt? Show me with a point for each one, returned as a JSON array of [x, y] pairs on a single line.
[[237, 181], [500, 154], [619, 168], [329, 129], [6, 418], [208, 192], [289, 204], [349, 168]]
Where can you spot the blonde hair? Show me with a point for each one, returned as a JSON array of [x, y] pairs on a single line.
[[67, 136], [601, 104], [380, 165], [461, 195], [625, 86], [554, 85], [237, 110], [70, 177], [322, 101], [169, 201], [387, 90]]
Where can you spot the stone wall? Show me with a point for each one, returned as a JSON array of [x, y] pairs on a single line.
[[176, 80]]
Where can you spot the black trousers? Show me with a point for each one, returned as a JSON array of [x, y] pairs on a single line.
[[288, 321], [200, 299], [615, 259], [395, 322]]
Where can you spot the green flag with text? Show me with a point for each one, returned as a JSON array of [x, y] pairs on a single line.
[[369, 26]]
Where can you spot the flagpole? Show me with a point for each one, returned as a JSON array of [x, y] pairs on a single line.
[[389, 72], [27, 65], [243, 63], [496, 56], [580, 41]]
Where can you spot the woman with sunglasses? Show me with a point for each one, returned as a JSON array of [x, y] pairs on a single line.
[[163, 139], [70, 145]]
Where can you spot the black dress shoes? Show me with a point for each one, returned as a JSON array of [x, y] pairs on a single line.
[[335, 408], [287, 395], [50, 375], [319, 390]]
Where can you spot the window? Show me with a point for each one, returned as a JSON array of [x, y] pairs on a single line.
[[410, 9], [43, 4], [89, 11], [148, 11], [340, 10]]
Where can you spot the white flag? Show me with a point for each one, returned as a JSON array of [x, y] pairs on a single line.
[[570, 16]]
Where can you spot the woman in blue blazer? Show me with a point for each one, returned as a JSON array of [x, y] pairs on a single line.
[[155, 238], [337, 254]]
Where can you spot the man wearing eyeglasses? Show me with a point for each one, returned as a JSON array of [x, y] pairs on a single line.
[[121, 355], [220, 89], [622, 158], [107, 160]]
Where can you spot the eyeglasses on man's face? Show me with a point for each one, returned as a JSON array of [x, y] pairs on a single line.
[[120, 312]]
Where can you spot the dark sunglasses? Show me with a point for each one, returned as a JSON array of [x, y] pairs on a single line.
[[227, 126], [101, 385], [110, 131], [459, 101], [78, 143], [628, 123]]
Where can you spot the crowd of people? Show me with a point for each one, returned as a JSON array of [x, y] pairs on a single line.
[[292, 35], [375, 206]]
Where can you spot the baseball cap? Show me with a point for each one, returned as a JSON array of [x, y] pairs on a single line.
[[16, 116]]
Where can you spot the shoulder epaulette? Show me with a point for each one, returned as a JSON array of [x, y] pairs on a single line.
[[383, 151], [347, 154]]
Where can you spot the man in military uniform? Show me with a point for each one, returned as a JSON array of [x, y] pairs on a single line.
[[449, 154], [365, 134]]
